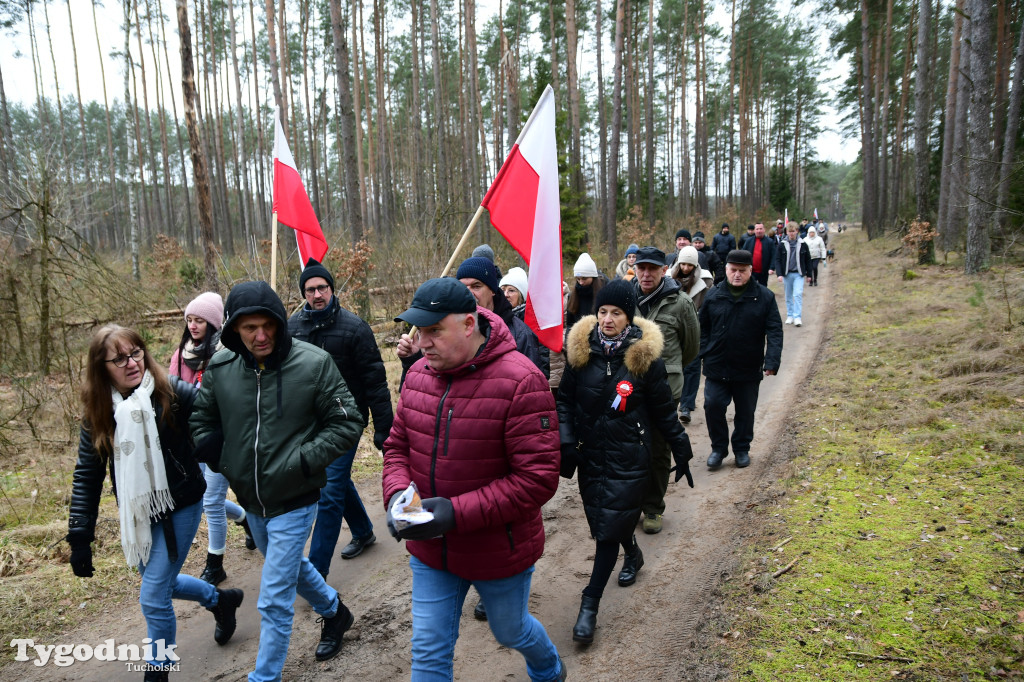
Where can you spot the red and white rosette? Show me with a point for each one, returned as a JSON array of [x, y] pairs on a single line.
[[622, 390]]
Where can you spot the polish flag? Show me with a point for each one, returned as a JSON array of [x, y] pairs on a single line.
[[785, 221], [291, 203], [815, 212], [524, 208]]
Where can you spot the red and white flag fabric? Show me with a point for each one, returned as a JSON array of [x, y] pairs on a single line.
[[291, 203], [815, 212], [524, 207], [785, 221]]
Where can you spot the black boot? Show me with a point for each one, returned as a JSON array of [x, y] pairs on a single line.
[[228, 602], [583, 631], [631, 566], [250, 543], [155, 675], [214, 571], [332, 631], [480, 611]]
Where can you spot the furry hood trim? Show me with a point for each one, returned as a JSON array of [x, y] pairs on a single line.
[[643, 350]]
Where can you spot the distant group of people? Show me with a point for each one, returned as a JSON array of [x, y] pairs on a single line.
[[273, 407]]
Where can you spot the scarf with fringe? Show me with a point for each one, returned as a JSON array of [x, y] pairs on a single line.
[[143, 493]]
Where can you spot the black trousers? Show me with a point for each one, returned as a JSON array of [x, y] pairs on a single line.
[[761, 277], [717, 396], [814, 271]]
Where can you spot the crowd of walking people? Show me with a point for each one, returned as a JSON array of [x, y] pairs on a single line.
[[272, 407]]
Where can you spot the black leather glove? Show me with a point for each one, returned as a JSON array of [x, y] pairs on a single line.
[[208, 449], [682, 467], [81, 559], [378, 439], [570, 455], [390, 519], [444, 520]]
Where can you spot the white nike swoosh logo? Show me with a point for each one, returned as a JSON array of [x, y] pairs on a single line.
[[435, 303]]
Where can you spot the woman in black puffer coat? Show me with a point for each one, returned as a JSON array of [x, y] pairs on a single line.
[[135, 426], [613, 393]]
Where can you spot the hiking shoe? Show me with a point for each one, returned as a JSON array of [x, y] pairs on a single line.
[[331, 632], [214, 572], [798, 322], [480, 611], [789, 320], [356, 547], [742, 459], [684, 415], [652, 525], [250, 542]]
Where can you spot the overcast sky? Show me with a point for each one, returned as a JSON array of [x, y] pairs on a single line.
[[17, 67]]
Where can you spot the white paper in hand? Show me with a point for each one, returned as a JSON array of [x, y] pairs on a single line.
[[408, 509]]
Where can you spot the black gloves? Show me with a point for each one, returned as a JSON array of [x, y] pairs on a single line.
[[208, 449], [390, 519], [444, 520], [81, 558], [569, 460], [378, 439], [682, 453]]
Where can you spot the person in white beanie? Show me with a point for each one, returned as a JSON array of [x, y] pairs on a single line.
[[581, 299], [816, 248], [514, 286], [695, 282]]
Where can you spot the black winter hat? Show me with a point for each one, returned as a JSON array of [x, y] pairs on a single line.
[[314, 269], [619, 293], [482, 269], [683, 233], [698, 236]]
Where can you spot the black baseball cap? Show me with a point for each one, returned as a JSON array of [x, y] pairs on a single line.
[[437, 298], [650, 254], [740, 257]]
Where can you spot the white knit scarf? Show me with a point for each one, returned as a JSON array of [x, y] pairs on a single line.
[[139, 467]]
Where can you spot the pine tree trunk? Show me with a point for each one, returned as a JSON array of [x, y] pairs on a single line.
[[649, 162], [922, 117], [945, 184], [350, 171], [202, 182], [616, 133], [980, 183], [1010, 138], [242, 147], [607, 224]]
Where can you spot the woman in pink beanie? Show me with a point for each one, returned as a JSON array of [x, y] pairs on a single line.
[[204, 317]]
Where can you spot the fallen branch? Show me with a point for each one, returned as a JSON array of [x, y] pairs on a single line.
[[779, 546], [871, 657], [785, 569]]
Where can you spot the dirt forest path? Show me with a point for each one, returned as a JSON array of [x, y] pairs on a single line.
[[645, 632]]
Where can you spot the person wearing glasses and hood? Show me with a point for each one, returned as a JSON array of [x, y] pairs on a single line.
[[272, 414], [135, 426]]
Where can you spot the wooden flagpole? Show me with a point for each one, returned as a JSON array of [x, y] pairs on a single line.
[[458, 249], [273, 253]]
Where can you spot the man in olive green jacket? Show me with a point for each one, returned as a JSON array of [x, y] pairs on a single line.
[[661, 300], [271, 414]]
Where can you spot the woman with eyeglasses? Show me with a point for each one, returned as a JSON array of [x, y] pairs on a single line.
[[135, 424], [204, 316]]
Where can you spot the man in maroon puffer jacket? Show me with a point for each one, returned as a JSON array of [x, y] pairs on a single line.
[[476, 430]]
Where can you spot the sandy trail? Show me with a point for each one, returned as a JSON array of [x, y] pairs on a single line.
[[645, 632]]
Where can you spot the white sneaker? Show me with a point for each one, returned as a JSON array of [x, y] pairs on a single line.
[[798, 322], [789, 320]]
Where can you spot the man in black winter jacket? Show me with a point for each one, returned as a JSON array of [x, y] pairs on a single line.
[[723, 242], [350, 341], [740, 341], [762, 252]]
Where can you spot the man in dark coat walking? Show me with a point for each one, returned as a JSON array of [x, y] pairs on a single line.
[[740, 341], [350, 341], [723, 242]]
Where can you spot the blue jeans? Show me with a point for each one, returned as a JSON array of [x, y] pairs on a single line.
[[437, 599], [281, 540], [794, 294], [337, 499], [691, 382], [218, 508], [163, 581]]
